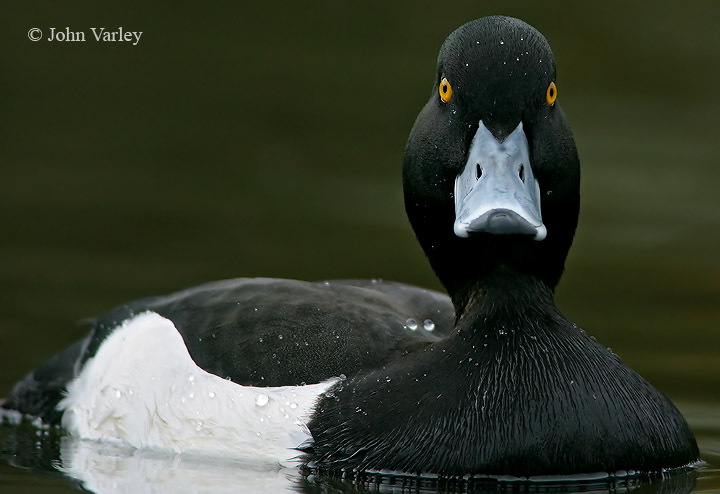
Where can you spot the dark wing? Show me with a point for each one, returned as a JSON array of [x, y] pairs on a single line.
[[274, 332]]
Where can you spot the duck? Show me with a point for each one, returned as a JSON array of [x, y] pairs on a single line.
[[353, 377]]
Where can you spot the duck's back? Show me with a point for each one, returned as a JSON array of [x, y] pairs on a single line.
[[266, 332]]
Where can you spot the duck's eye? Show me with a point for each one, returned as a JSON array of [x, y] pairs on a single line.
[[551, 95], [445, 90]]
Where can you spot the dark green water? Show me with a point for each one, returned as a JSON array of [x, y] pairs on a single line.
[[266, 140]]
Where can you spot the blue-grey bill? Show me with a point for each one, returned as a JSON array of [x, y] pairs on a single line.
[[496, 192]]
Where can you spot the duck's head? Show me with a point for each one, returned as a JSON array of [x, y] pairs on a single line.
[[491, 173]]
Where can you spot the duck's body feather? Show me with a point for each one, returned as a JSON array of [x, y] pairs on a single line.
[[266, 332], [506, 396], [142, 388]]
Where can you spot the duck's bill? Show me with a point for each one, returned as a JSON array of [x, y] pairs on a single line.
[[496, 192]]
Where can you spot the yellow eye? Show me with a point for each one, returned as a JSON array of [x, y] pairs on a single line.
[[445, 90], [551, 94]]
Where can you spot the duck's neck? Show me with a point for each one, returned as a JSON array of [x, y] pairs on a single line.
[[504, 300]]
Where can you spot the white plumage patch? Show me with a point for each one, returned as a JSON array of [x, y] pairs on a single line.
[[143, 388]]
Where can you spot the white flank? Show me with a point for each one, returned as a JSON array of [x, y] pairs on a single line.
[[143, 388]]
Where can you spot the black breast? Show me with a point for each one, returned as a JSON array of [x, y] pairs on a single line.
[[508, 398]]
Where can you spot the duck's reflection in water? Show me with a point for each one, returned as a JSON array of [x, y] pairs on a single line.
[[111, 468]]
